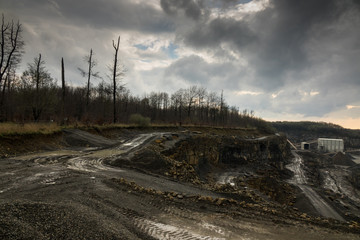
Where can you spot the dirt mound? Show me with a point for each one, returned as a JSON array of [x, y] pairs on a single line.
[[145, 160], [20, 144], [342, 159], [277, 190], [79, 138]]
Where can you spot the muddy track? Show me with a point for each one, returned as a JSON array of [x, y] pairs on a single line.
[[315, 199], [71, 194]]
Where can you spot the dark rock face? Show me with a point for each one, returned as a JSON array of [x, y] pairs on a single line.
[[272, 149], [215, 150]]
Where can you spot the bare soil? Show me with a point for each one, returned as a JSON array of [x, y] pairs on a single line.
[[90, 187]]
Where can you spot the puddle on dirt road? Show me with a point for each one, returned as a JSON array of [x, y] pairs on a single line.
[[227, 178], [297, 168], [329, 182], [134, 143], [356, 158], [49, 155]]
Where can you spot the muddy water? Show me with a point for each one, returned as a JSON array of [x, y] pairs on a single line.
[[297, 167], [356, 158]]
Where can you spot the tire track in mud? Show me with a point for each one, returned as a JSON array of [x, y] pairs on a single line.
[[216, 224], [95, 160], [90, 164], [166, 231], [154, 226]]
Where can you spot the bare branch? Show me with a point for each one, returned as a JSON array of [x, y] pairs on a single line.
[[11, 45], [82, 72]]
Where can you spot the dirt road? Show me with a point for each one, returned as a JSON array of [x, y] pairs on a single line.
[[316, 200], [73, 194]]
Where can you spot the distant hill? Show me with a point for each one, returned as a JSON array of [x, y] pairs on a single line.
[[307, 131]]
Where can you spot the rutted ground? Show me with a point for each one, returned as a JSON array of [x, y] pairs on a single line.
[[113, 193]]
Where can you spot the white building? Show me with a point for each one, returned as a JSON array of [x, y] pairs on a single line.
[[330, 145]]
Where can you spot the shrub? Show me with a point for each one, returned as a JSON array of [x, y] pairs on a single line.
[[139, 120]]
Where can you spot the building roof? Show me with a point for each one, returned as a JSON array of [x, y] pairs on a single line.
[[331, 139]]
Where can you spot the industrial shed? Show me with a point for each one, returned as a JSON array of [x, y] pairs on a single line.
[[330, 145], [305, 146]]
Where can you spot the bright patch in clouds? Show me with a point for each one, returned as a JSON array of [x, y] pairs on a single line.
[[352, 107], [275, 95], [252, 93], [240, 11], [314, 93]]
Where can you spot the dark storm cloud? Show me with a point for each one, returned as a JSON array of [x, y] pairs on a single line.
[[221, 30], [117, 14], [290, 46], [274, 39], [98, 14], [284, 29], [196, 71], [192, 8]]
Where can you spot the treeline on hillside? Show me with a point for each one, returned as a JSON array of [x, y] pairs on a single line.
[[35, 95], [307, 126], [23, 102], [306, 130]]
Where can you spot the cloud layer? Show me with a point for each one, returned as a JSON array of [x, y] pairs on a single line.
[[284, 59]]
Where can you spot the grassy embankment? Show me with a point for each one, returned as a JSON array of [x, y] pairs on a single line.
[[9, 129], [18, 139]]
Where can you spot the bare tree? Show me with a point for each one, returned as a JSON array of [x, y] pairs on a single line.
[[178, 101], [11, 45], [118, 71], [89, 73], [36, 75], [201, 96], [190, 96]]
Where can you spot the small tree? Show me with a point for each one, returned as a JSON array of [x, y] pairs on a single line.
[[39, 81], [89, 73], [139, 120], [178, 102]]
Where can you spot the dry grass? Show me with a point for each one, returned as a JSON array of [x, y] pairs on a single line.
[[9, 128]]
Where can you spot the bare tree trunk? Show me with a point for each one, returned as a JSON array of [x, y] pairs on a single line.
[[116, 47], [222, 107], [88, 82], [2, 99], [63, 91], [6, 80], [36, 108]]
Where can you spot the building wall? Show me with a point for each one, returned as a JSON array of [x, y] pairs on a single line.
[[330, 145]]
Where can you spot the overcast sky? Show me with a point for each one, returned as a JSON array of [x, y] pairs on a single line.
[[284, 59]]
